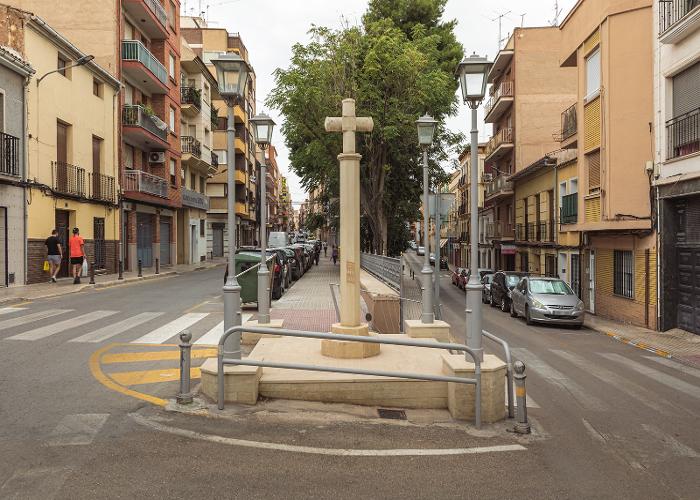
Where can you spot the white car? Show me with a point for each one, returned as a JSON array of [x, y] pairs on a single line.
[[420, 251]]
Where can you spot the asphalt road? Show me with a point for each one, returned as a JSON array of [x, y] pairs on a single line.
[[609, 420]]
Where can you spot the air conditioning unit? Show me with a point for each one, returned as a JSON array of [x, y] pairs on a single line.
[[156, 157], [487, 177]]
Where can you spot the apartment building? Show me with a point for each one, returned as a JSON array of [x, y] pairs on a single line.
[[198, 88], [15, 73], [451, 232], [677, 155], [72, 165], [609, 46], [528, 91], [209, 43]]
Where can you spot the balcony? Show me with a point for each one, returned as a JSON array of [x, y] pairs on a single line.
[[683, 135], [542, 232], [143, 129], [240, 146], [142, 182], [194, 199], [191, 101], [240, 176], [142, 66], [500, 144], [501, 99], [569, 128], [569, 209], [498, 188], [191, 147], [152, 16], [102, 188], [500, 231], [68, 179], [241, 209], [9, 155], [678, 19]]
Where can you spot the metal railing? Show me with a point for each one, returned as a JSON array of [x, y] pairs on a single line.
[[68, 179], [134, 115], [673, 11], [135, 50], [222, 360], [191, 95], [214, 160], [498, 185], [569, 125], [569, 208], [509, 369], [158, 11], [683, 135], [143, 182], [503, 136], [191, 145], [503, 89], [9, 149], [102, 187], [386, 269]]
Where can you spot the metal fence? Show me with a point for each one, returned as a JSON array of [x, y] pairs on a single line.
[[386, 269]]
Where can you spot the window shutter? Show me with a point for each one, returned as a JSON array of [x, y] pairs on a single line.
[[593, 162], [686, 91]]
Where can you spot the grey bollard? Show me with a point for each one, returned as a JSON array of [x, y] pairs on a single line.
[[522, 426], [184, 397], [140, 269], [121, 270], [92, 273], [157, 265]]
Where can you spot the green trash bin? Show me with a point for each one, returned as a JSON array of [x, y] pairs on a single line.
[[249, 280]]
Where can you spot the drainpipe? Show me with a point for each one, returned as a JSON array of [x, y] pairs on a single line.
[[25, 176]]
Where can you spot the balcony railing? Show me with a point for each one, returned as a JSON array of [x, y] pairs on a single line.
[[68, 179], [214, 160], [134, 115], [568, 123], [102, 187], [9, 149], [158, 11], [503, 89], [143, 182], [191, 95], [499, 184], [503, 136], [683, 135], [569, 209], [190, 145], [673, 11], [134, 50], [535, 232]]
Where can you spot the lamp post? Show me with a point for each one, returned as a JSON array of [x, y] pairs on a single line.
[[232, 75], [426, 130], [472, 73], [262, 131]]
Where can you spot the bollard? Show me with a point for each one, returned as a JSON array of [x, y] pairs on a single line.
[[522, 426], [140, 269], [157, 265], [184, 397], [121, 270], [92, 273]]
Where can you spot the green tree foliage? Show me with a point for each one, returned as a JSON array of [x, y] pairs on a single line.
[[398, 65]]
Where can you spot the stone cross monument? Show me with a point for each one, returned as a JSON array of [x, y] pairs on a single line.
[[350, 323]]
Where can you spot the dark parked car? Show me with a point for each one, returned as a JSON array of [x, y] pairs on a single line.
[[486, 292], [293, 266], [501, 286]]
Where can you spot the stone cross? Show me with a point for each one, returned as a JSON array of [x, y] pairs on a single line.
[[349, 160]]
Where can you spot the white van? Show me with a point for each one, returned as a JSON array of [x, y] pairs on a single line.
[[277, 239]]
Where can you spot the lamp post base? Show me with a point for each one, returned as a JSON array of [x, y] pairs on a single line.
[[342, 349], [249, 338]]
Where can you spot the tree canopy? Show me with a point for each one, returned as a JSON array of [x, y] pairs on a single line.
[[397, 65]]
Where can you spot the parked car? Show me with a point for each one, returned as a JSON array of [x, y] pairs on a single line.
[[486, 292], [501, 285], [298, 270], [483, 272], [283, 262], [412, 245], [420, 251], [457, 276], [443, 263], [546, 300], [293, 266]]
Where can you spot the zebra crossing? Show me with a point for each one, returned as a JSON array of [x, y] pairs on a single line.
[[141, 328]]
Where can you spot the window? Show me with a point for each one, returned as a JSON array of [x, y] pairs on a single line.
[[61, 65], [173, 168], [216, 190], [206, 93], [623, 272], [172, 14], [171, 66], [593, 73], [575, 273], [182, 177], [593, 167], [550, 266], [193, 182], [97, 87], [221, 153], [202, 184], [129, 156], [686, 91], [202, 225], [562, 192], [171, 121]]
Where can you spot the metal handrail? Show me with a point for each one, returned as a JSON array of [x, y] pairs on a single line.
[[221, 360], [386, 269], [509, 369]]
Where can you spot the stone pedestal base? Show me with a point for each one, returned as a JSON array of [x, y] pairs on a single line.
[[460, 397], [342, 349], [438, 330], [240, 382], [248, 338]]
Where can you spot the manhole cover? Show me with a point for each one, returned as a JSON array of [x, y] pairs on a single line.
[[392, 414]]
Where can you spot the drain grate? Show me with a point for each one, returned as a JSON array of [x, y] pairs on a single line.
[[392, 414]]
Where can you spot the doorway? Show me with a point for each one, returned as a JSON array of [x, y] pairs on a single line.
[[591, 282], [3, 246], [63, 228], [193, 245], [164, 243], [100, 244], [144, 239], [218, 240]]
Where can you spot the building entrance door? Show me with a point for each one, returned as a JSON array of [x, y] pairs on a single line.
[[165, 243], [218, 240], [100, 244], [591, 281], [194, 257], [3, 247], [144, 239], [688, 289], [63, 227]]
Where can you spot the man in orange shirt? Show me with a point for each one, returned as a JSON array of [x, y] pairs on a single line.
[[77, 254]]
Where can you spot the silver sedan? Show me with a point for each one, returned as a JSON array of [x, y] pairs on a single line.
[[546, 300]]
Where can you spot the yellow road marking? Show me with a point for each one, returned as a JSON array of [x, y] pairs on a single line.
[[197, 306], [151, 376], [133, 357], [99, 375]]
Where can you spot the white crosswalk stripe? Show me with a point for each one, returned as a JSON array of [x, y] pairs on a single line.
[[9, 310], [658, 376], [61, 326], [110, 331], [693, 372], [212, 336], [559, 379], [171, 329], [30, 318]]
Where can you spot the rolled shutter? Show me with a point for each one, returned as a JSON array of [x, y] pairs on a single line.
[[593, 162], [686, 91]]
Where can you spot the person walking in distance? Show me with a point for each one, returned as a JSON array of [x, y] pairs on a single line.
[[77, 254], [54, 252], [325, 249], [317, 255], [334, 254]]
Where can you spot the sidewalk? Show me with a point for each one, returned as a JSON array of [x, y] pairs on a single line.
[[65, 285], [677, 344]]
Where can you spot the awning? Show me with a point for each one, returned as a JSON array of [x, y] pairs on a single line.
[[508, 250], [443, 242]]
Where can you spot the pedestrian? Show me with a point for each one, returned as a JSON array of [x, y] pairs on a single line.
[[317, 255], [54, 252], [325, 249], [334, 254], [77, 254]]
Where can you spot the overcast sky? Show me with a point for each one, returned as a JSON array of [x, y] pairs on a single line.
[[269, 28]]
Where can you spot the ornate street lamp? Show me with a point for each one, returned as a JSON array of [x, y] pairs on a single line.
[[472, 73], [426, 130], [263, 126], [232, 76]]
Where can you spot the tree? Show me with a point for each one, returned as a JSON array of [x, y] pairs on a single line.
[[398, 65]]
